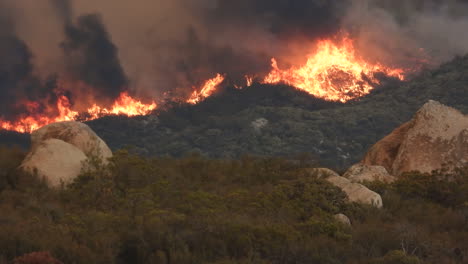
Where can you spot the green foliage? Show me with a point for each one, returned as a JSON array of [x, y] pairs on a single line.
[[250, 210], [449, 189], [339, 134]]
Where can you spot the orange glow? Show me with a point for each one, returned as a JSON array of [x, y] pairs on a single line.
[[124, 105], [31, 123], [249, 80], [207, 90], [333, 72]]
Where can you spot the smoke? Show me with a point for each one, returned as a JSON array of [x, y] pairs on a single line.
[[91, 57], [174, 45], [17, 81], [64, 10], [152, 47], [408, 32]]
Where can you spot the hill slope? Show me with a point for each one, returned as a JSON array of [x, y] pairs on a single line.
[[281, 121]]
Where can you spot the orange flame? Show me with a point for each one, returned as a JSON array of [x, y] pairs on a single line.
[[124, 105], [207, 90], [249, 80], [31, 123], [333, 73]]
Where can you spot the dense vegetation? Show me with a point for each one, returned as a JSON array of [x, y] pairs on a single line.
[[277, 120], [250, 210], [281, 121]]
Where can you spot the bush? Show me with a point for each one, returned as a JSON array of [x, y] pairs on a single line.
[[251, 210]]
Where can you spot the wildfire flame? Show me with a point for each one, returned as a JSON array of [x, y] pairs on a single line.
[[333, 72], [249, 80], [207, 90], [31, 123], [124, 105]]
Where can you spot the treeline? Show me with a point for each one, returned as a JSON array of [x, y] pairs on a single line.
[[248, 210]]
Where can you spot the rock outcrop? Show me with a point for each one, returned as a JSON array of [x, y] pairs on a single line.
[[55, 160], [321, 173], [343, 219], [59, 151], [361, 172], [354, 191], [78, 134], [437, 136]]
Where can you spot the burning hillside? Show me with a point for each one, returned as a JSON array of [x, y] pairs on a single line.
[[124, 105], [332, 72], [78, 60]]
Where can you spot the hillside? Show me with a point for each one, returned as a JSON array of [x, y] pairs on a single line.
[[277, 120], [281, 121]]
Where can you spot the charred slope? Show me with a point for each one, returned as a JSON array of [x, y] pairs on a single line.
[[281, 121]]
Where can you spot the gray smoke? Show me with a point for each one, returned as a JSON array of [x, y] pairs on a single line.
[[407, 32], [17, 81], [91, 57]]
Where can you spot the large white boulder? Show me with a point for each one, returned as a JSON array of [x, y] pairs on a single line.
[[436, 137], [56, 161], [321, 173], [78, 134], [361, 172], [60, 150], [342, 219], [356, 192]]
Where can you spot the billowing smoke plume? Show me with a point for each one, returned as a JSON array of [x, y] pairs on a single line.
[[410, 31], [87, 58], [154, 46], [17, 81], [91, 57]]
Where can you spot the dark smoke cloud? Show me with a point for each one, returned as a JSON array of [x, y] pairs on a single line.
[[234, 37], [87, 56], [410, 31], [63, 10], [17, 81], [305, 18], [91, 57], [240, 37]]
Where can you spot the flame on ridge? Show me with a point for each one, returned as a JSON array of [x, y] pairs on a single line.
[[333, 72], [124, 105], [207, 90]]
